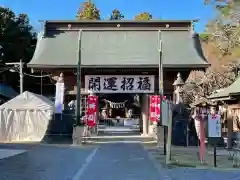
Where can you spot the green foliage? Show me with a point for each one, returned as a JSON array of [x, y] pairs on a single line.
[[204, 36], [143, 16], [88, 11], [116, 15], [17, 39], [225, 28]]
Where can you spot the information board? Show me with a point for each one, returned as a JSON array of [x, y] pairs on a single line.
[[214, 126]]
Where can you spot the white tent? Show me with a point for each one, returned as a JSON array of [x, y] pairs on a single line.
[[25, 117]]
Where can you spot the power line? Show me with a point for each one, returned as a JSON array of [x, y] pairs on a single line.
[[6, 69], [26, 74], [48, 75]]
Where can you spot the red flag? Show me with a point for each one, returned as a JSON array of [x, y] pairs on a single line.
[[92, 110], [154, 108]]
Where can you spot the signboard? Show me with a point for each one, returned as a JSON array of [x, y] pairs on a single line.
[[155, 108], [214, 125], [119, 83], [59, 97], [92, 109], [166, 112]]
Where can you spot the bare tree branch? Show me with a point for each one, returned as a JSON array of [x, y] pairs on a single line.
[[203, 84]]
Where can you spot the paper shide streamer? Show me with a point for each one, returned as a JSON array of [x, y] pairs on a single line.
[[115, 105]]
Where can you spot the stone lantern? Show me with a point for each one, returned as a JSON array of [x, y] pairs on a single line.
[[178, 93]]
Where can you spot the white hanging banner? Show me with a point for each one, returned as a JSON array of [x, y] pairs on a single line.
[[214, 125], [119, 83], [59, 97]]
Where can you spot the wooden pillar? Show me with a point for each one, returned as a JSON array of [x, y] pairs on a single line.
[[145, 114], [229, 129]]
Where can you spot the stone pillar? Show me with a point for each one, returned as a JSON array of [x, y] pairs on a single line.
[[145, 114], [78, 133], [58, 78], [61, 77]]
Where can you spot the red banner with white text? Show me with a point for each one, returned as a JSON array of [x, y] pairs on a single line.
[[155, 108], [92, 109]]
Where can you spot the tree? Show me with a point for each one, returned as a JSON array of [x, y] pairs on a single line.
[[143, 16], [17, 41], [223, 37], [201, 84], [88, 10], [224, 30], [116, 15]]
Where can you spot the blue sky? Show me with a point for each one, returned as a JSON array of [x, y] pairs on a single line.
[[67, 9]]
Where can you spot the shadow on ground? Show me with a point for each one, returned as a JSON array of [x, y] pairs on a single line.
[[58, 139]]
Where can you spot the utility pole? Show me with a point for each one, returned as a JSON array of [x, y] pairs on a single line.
[[20, 65], [78, 96], [160, 89], [21, 76]]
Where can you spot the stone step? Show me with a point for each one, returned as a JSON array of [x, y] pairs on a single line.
[[119, 141], [116, 138], [124, 129]]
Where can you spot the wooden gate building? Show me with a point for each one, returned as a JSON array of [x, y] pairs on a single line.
[[119, 51]]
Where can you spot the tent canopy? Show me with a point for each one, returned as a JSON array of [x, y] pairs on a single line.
[[28, 101], [25, 118]]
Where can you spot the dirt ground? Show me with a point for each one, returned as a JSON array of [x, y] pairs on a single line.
[[189, 157]]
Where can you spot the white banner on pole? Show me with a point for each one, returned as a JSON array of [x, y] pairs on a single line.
[[59, 97], [214, 125], [119, 83]]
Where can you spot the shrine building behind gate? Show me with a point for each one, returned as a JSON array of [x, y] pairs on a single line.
[[119, 57]]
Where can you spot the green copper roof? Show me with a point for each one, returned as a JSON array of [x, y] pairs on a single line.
[[56, 49], [181, 49], [118, 48], [233, 89]]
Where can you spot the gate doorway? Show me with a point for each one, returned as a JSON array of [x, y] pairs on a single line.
[[119, 113]]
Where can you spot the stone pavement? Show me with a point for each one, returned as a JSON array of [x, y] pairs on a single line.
[[119, 161], [5, 153], [107, 162], [43, 162]]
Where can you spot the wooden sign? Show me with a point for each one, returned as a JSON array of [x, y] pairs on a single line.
[[119, 83]]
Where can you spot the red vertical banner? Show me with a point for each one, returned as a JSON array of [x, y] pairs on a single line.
[[154, 108], [92, 109], [157, 108]]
